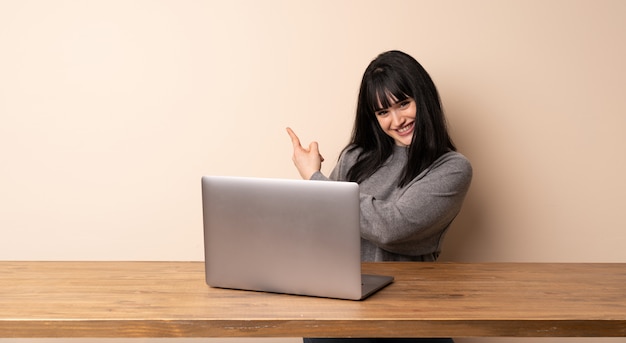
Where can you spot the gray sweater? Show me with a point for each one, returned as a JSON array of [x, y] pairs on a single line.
[[408, 223]]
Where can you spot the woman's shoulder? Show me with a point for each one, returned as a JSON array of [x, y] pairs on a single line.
[[454, 157], [452, 171], [351, 153], [453, 160]]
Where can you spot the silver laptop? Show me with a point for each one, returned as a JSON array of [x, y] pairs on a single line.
[[285, 236]]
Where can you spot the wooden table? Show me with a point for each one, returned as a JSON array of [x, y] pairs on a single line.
[[170, 299]]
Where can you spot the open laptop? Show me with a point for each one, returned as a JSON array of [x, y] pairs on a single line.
[[285, 236]]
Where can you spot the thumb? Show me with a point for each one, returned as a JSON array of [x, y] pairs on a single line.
[[314, 148]]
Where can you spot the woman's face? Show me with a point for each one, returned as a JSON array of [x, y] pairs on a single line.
[[398, 120]]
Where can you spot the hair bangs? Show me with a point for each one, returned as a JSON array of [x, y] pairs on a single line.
[[385, 89]]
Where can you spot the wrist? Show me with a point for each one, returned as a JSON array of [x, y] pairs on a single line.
[[308, 174]]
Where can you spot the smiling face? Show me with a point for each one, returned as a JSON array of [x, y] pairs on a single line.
[[398, 120]]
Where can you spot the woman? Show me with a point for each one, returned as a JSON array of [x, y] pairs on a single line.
[[411, 179]]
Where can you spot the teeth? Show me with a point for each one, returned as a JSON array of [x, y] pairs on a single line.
[[405, 129]]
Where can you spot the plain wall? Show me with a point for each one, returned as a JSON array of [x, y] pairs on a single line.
[[111, 111]]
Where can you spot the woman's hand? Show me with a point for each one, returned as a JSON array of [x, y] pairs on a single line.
[[307, 161]]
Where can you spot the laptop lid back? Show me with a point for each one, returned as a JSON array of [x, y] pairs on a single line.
[[280, 235]]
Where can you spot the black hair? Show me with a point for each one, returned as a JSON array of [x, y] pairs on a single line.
[[396, 76]]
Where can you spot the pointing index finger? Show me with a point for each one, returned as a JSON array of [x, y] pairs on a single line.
[[294, 139]]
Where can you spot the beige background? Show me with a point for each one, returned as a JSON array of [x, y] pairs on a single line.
[[110, 111]]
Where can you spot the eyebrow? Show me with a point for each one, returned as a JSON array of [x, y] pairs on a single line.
[[391, 104]]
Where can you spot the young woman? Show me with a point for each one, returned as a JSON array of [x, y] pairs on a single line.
[[411, 179]]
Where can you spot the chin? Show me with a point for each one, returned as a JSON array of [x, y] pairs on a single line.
[[404, 143]]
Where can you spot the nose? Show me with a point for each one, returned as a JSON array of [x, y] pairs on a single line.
[[396, 119]]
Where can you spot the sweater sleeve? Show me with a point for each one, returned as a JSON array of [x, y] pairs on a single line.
[[414, 221], [340, 171], [411, 220]]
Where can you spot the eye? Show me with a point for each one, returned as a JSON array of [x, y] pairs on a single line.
[[381, 113], [405, 103]]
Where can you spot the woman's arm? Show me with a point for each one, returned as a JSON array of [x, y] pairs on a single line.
[[418, 214]]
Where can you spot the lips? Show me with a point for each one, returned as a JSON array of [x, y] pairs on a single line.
[[406, 130]]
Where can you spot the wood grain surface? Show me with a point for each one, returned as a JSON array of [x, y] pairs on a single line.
[[171, 299]]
